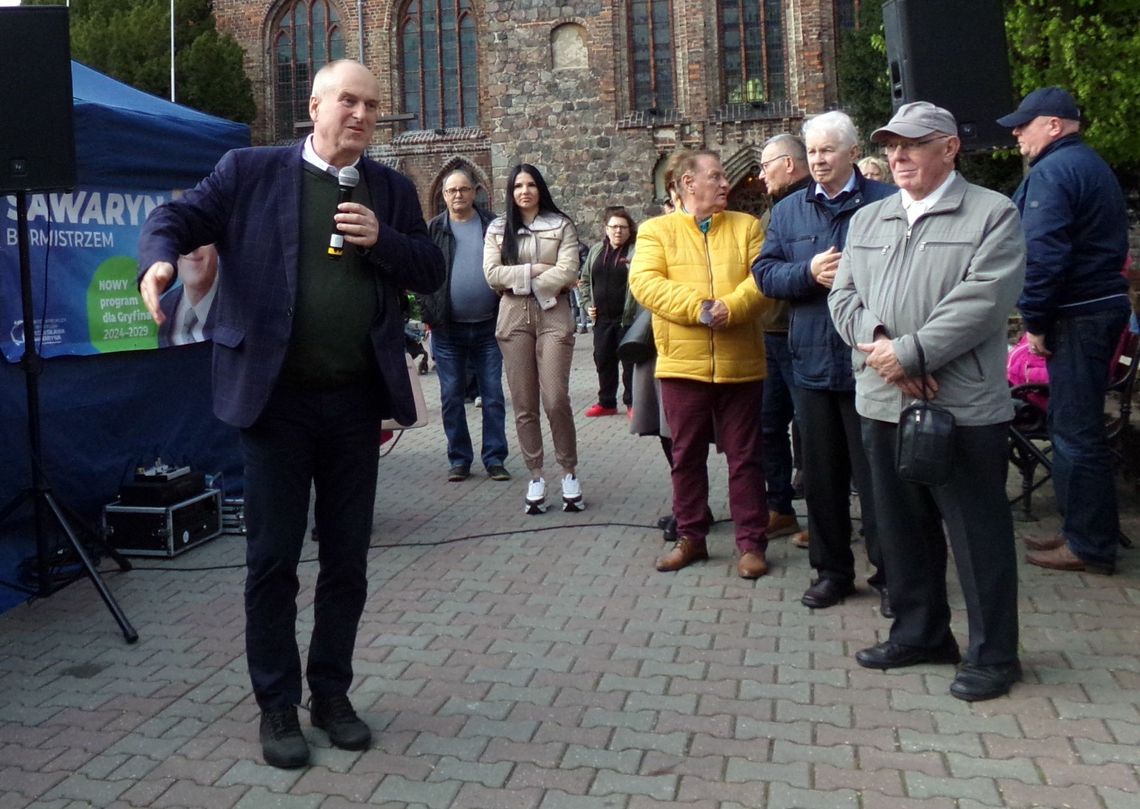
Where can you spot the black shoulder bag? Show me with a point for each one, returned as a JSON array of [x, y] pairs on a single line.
[[637, 345], [924, 447]]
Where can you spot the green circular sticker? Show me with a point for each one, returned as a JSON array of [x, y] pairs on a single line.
[[116, 317]]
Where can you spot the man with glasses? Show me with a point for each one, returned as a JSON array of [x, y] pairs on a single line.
[[924, 288], [798, 264], [783, 165], [1074, 307], [462, 316]]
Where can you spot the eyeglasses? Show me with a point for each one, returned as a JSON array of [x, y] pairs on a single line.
[[617, 227], [764, 163], [910, 145], [463, 189]]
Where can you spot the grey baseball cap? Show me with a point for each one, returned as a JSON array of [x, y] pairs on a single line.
[[917, 120]]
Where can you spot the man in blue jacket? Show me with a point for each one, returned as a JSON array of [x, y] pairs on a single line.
[[308, 359], [797, 263], [1074, 306]]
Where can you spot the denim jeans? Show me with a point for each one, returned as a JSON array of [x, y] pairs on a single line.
[[1083, 477], [775, 416], [459, 349]]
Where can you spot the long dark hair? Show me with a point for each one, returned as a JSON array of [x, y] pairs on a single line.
[[509, 254]]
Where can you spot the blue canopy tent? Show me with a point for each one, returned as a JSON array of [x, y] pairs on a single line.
[[103, 414]]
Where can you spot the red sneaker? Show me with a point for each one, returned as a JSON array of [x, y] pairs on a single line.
[[595, 410]]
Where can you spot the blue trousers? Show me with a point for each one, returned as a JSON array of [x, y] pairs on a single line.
[[776, 415], [328, 440], [1082, 348], [460, 350]]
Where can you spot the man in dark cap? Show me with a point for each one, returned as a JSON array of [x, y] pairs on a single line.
[[924, 287], [1074, 306]]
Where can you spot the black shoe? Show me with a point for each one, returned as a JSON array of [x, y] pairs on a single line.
[[887, 655], [335, 716], [974, 683], [458, 472], [825, 593], [885, 603], [876, 582], [669, 530], [282, 743], [498, 472]]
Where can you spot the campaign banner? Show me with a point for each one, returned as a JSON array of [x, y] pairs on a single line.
[[83, 248]]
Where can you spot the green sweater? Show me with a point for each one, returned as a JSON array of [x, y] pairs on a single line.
[[336, 301]]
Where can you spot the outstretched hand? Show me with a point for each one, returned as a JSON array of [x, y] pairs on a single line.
[[155, 280]]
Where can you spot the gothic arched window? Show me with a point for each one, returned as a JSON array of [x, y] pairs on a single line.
[[651, 54], [440, 72], [306, 37], [752, 41]]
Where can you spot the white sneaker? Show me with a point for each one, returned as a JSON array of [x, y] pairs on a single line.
[[478, 401], [536, 496], [572, 494]]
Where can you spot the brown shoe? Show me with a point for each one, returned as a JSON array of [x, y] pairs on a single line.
[[685, 551], [800, 540], [1044, 543], [780, 525], [752, 565], [1064, 559]]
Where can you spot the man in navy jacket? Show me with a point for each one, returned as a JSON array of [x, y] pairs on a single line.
[[1074, 306], [797, 263], [308, 359]]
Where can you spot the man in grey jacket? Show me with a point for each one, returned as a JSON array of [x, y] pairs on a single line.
[[932, 273]]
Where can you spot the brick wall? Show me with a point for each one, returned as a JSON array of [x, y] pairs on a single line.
[[575, 124]]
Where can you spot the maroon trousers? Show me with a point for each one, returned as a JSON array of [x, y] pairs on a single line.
[[729, 413]]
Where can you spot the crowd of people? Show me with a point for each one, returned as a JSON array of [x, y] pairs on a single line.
[[795, 341]]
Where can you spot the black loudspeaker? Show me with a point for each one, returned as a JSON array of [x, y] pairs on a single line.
[[37, 137], [952, 53]]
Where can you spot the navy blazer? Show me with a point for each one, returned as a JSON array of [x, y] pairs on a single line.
[[249, 207]]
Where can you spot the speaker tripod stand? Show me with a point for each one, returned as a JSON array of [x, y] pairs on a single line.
[[44, 503]]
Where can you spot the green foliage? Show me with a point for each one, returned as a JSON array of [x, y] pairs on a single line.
[[211, 77], [1091, 48], [130, 41], [864, 81]]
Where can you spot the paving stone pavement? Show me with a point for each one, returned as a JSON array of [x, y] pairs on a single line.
[[541, 663]]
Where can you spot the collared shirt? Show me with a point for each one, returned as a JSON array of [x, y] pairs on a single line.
[[310, 156], [917, 207], [187, 329], [848, 187]]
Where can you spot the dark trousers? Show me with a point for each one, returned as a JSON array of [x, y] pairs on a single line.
[[1083, 475], [979, 523], [330, 440], [607, 335], [697, 412], [833, 455], [775, 417]]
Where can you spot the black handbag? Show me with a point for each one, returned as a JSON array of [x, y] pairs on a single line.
[[924, 446], [637, 344]]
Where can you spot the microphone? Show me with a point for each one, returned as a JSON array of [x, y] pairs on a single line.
[[347, 177]]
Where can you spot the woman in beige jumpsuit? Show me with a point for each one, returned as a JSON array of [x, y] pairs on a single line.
[[530, 257]]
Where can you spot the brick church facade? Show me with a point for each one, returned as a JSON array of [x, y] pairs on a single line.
[[596, 93]]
